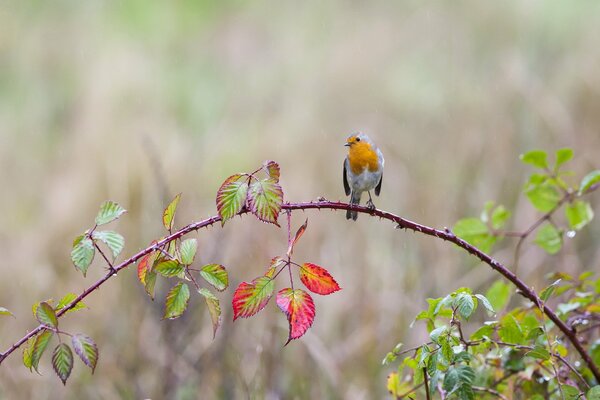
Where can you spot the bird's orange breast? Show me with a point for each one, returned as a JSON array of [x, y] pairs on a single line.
[[360, 156]]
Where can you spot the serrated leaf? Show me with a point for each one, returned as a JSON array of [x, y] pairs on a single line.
[[276, 262], [297, 236], [86, 349], [579, 214], [498, 294], [82, 253], [437, 333], [188, 251], [216, 275], [114, 241], [486, 303], [535, 333], [499, 217], [464, 304], [177, 301], [562, 156], [537, 158], [265, 198], [539, 352], [250, 298], [4, 311], [588, 181], [457, 378], [510, 330], [299, 308], [482, 331], [46, 316], [145, 265], [109, 211], [547, 292], [28, 352], [214, 308], [570, 392], [62, 361], [231, 197], [543, 197], [169, 268], [273, 170], [549, 238], [169, 213], [593, 393], [39, 346], [317, 279], [150, 283], [475, 232], [66, 300]]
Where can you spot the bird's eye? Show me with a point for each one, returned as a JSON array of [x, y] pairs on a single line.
[[358, 139]]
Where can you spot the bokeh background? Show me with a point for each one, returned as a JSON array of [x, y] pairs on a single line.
[[136, 101]]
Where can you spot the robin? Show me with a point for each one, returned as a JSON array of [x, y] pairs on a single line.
[[363, 170]]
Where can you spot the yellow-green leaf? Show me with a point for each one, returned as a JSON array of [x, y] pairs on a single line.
[[188, 251], [216, 275], [46, 316], [169, 213], [109, 211], [231, 197], [265, 199], [82, 253], [62, 361], [177, 301], [214, 308], [86, 349]]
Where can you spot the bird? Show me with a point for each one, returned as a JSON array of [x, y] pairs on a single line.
[[363, 170]]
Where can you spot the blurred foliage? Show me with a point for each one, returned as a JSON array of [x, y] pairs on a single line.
[[137, 101]]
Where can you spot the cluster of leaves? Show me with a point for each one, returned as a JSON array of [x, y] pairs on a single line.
[[519, 351], [62, 356]]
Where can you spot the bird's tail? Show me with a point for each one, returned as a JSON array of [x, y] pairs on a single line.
[[354, 199]]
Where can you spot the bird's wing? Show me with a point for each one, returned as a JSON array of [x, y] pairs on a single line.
[[378, 187], [346, 186]]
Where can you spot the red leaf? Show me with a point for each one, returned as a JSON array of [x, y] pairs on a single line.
[[298, 235], [250, 298], [231, 197], [299, 308], [317, 279], [273, 170], [145, 265]]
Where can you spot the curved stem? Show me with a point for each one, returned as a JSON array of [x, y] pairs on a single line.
[[400, 223]]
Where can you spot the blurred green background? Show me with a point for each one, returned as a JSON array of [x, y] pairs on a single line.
[[136, 101]]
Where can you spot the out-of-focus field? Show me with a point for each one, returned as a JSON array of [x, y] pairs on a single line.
[[136, 101]]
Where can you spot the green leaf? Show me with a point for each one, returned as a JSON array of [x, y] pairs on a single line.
[[177, 301], [231, 197], [150, 283], [579, 213], [62, 361], [543, 197], [570, 392], [549, 238], [535, 333], [475, 232], [28, 352], [537, 158], [109, 211], [86, 349], [498, 294], [46, 316], [4, 311], [169, 213], [458, 378], [265, 199], [482, 331], [593, 393], [486, 303], [169, 268], [499, 217], [113, 240], [82, 253], [465, 305], [510, 330], [66, 300], [588, 181], [547, 292], [562, 156], [188, 251], [216, 275], [539, 352], [214, 308], [39, 346], [437, 333]]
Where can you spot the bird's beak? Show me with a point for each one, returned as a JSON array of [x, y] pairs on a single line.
[[347, 144]]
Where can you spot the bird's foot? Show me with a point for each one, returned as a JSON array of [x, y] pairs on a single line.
[[370, 205]]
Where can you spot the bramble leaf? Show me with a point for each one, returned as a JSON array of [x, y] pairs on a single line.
[[169, 268], [570, 392], [82, 253], [579, 214], [593, 393], [150, 283], [214, 308], [539, 352], [4, 311], [317, 279], [510, 331], [250, 298], [169, 213], [498, 294], [547, 292], [265, 198], [62, 361], [486, 303], [144, 266], [46, 316], [475, 232], [297, 237], [66, 300], [562, 156], [86, 349], [537, 158], [299, 308], [113, 240], [543, 197], [499, 217], [216, 275], [231, 197], [588, 181], [109, 211], [177, 301], [273, 170], [549, 238], [28, 352], [39, 346], [464, 304], [188, 251]]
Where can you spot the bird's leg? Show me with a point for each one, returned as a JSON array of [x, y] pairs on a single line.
[[370, 204]]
